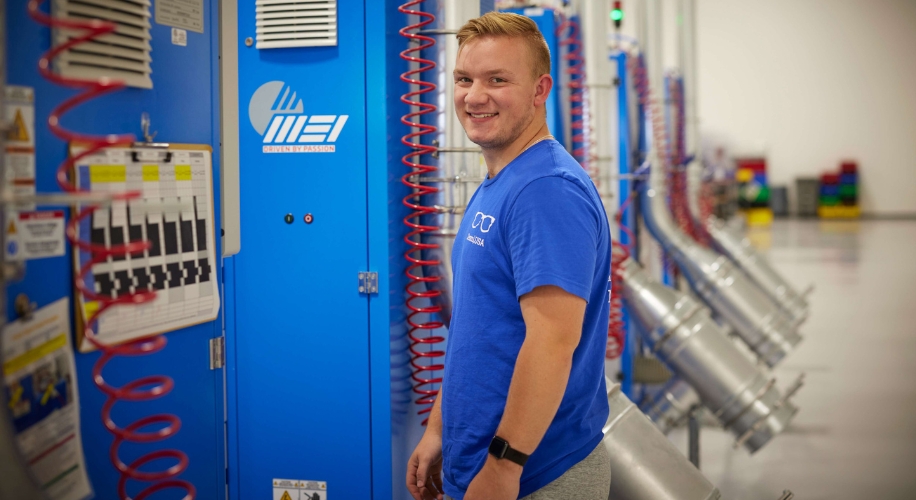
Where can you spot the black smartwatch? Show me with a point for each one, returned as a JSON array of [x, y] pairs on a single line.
[[500, 448]]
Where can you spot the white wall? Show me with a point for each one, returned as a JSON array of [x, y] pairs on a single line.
[[810, 82]]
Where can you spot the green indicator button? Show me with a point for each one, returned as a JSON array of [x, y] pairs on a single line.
[[289, 218]]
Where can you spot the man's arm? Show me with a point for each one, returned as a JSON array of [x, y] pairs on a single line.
[[424, 468], [553, 324]]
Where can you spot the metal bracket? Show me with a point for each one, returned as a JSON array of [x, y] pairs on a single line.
[[217, 353], [693, 436], [368, 282]]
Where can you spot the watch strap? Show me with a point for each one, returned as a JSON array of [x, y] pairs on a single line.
[[500, 449], [516, 456]]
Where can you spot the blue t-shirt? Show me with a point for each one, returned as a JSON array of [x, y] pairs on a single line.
[[539, 222]]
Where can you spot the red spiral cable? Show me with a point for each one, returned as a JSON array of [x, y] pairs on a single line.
[[580, 126], [581, 135], [651, 107], [422, 296], [616, 328], [145, 388], [677, 175]]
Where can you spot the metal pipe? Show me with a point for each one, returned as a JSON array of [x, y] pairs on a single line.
[[644, 464], [681, 333], [727, 290], [766, 329], [670, 406], [686, 31], [735, 247], [741, 252]]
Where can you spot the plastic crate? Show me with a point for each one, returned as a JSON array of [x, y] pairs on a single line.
[[807, 192]]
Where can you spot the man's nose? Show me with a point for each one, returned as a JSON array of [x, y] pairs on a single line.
[[476, 95]]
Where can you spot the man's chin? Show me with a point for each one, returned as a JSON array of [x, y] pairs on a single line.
[[485, 142]]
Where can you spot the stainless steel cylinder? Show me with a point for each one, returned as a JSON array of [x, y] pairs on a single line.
[[681, 333], [740, 251], [759, 321], [644, 464], [670, 407]]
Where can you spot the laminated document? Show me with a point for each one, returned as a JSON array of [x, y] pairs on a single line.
[[39, 378]]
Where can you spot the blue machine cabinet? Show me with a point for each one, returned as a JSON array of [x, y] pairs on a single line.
[[299, 345], [184, 108]]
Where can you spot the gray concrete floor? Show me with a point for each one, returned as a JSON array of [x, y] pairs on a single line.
[[855, 434]]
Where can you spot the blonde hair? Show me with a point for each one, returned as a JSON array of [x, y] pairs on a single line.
[[505, 24]]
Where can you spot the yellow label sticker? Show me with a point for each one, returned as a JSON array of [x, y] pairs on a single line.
[[182, 172], [107, 173], [286, 496], [150, 173], [90, 308], [11, 229], [34, 354]]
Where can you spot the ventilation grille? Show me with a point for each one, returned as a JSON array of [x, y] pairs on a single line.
[[295, 23], [121, 55]]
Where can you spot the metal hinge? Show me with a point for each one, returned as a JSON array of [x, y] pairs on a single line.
[[217, 353], [368, 282]]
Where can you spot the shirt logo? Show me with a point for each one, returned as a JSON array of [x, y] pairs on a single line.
[[278, 115], [483, 221]]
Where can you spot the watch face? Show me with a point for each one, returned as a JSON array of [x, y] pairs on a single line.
[[498, 447]]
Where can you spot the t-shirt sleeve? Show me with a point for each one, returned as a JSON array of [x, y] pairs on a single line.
[[552, 235]]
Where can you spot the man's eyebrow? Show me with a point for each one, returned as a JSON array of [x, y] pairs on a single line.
[[492, 72]]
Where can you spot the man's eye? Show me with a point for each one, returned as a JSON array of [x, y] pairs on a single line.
[[496, 79], [462, 79]]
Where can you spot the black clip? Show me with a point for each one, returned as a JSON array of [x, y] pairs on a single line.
[[135, 155]]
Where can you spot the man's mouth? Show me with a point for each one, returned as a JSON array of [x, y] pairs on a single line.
[[482, 115]]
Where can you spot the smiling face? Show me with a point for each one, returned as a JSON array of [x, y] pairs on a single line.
[[497, 95]]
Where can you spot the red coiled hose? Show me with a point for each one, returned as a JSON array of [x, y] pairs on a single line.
[[580, 126], [423, 298], [637, 68], [677, 175], [581, 136], [616, 328], [142, 389]]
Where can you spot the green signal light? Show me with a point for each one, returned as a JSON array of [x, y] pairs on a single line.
[[617, 15]]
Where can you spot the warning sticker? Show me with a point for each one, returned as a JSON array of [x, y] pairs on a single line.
[[297, 489], [20, 114], [20, 142], [34, 235]]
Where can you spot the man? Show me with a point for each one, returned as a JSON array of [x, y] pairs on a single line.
[[523, 399]]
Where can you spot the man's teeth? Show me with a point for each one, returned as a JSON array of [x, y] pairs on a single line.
[[483, 115]]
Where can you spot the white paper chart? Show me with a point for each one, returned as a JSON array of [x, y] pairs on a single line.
[[175, 214]]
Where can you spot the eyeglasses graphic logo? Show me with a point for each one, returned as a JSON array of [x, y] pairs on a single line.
[[277, 114], [485, 222]]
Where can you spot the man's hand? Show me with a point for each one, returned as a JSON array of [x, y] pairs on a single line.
[[424, 469], [497, 480]]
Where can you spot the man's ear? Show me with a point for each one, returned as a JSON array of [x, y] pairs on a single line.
[[542, 89]]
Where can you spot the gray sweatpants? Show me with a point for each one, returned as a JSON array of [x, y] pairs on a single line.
[[589, 479]]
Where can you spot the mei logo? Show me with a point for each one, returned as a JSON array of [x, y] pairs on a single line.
[[276, 112]]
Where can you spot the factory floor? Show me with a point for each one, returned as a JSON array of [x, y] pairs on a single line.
[[855, 434]]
